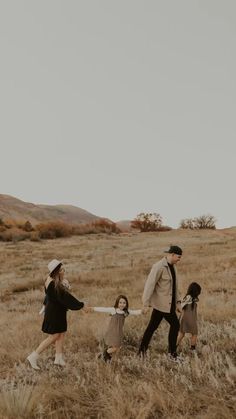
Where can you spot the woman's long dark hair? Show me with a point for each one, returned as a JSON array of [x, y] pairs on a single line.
[[194, 289], [55, 276], [126, 309]]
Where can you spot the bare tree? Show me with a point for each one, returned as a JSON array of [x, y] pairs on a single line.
[[147, 222], [187, 223], [203, 222]]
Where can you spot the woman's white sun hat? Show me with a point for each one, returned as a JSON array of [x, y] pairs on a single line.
[[53, 265]]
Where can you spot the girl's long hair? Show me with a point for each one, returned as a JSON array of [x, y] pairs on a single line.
[[56, 278], [126, 309], [194, 289]]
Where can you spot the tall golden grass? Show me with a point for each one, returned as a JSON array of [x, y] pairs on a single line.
[[99, 268]]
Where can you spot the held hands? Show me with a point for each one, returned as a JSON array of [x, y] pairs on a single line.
[[178, 307], [145, 310], [87, 309]]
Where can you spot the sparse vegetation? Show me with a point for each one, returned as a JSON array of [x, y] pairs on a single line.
[[99, 268], [105, 226], [187, 223], [53, 230], [204, 222], [147, 222], [13, 230], [28, 226], [19, 230]]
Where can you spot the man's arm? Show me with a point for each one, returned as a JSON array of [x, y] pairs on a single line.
[[178, 300], [150, 284]]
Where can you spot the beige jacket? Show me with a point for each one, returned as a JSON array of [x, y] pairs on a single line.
[[158, 287]]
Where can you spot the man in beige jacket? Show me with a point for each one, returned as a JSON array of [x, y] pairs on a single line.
[[161, 293]]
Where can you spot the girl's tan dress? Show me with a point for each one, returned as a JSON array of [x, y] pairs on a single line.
[[114, 333]]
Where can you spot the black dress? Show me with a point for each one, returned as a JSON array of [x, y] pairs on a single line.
[[56, 308]]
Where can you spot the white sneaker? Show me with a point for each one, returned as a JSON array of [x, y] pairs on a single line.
[[59, 360], [32, 358]]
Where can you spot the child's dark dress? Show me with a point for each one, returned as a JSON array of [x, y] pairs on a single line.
[[188, 322], [56, 308]]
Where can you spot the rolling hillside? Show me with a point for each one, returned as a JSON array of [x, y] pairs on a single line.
[[13, 208]]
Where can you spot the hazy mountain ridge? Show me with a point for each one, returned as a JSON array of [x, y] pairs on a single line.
[[16, 209]]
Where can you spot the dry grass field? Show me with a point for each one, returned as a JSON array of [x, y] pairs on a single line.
[[100, 267]]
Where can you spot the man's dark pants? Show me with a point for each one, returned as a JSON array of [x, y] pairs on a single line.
[[154, 322]]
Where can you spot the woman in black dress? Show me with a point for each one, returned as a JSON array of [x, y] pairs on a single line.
[[58, 301]]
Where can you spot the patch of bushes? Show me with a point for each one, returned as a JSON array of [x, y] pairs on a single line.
[[15, 230], [146, 222], [204, 222], [12, 230], [105, 226], [14, 235], [53, 230], [99, 226], [34, 236]]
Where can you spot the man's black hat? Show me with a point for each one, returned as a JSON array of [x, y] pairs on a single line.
[[174, 249]]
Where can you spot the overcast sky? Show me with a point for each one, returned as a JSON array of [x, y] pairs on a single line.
[[121, 106]]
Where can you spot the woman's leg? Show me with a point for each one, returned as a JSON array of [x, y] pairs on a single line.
[[59, 343], [33, 357], [47, 342], [59, 346]]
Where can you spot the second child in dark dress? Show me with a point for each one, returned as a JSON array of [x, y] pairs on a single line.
[[59, 300], [188, 322]]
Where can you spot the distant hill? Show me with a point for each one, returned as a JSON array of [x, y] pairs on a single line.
[[16, 209]]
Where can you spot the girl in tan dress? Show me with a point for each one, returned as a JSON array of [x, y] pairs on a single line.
[[114, 334], [188, 321]]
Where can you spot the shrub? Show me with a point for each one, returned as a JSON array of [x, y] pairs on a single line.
[[54, 229], [10, 223], [187, 223], [2, 228], [34, 236], [205, 222], [147, 222], [14, 234], [28, 226], [18, 230], [99, 226], [105, 226], [82, 229], [199, 223]]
